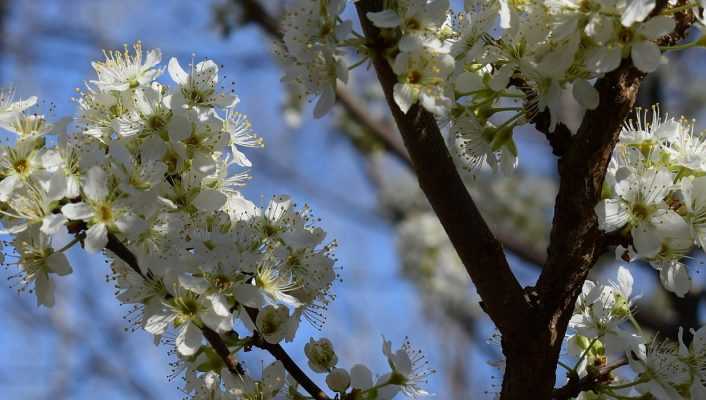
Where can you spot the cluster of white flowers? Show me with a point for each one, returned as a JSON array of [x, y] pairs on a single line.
[[313, 61], [488, 68], [655, 195], [408, 372], [152, 179], [661, 370]]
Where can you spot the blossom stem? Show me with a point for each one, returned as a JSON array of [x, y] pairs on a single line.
[[565, 366], [627, 385], [684, 46], [75, 240], [635, 324], [364, 59], [504, 109], [674, 10], [585, 353]]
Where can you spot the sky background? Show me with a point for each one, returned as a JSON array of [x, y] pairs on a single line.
[[47, 50]]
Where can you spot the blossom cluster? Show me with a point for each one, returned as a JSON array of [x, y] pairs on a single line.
[[654, 195], [486, 69], [151, 177], [660, 369]]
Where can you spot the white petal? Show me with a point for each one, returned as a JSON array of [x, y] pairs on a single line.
[[338, 380], [612, 214], [59, 264], [585, 94], [404, 96], [216, 322], [625, 280], [675, 278], [637, 11], [220, 305], [96, 238], [384, 18], [273, 377], [189, 339], [153, 58], [7, 186], [179, 127], [130, 224], [248, 295], [326, 101], [468, 82], [361, 377], [193, 283], [178, 75], [77, 211], [157, 324], [603, 59], [44, 289], [505, 14], [501, 77], [52, 223], [210, 200], [647, 242], [646, 56], [96, 187], [657, 27]]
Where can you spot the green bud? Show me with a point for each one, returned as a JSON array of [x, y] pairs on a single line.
[[621, 307]]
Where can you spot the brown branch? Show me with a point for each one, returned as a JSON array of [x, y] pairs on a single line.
[[482, 255], [576, 385]]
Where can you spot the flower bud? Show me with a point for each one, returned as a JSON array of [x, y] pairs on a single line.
[[338, 380], [320, 354], [272, 323]]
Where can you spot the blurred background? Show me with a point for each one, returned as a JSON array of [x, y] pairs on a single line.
[[400, 276]]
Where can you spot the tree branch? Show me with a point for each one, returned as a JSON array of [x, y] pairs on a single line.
[[482, 255], [576, 385]]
